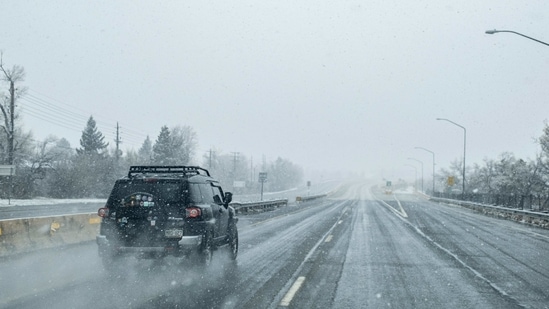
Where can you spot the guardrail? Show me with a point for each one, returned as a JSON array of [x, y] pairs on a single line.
[[300, 199], [529, 217], [254, 207]]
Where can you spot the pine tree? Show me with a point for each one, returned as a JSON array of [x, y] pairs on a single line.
[[163, 153], [145, 153], [92, 164], [92, 140]]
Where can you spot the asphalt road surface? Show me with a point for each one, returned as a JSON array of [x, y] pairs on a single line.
[[357, 249]]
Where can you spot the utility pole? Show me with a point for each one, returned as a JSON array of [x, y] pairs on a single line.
[[235, 158], [251, 169], [117, 141]]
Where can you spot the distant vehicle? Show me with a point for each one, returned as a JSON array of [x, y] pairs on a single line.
[[157, 211]]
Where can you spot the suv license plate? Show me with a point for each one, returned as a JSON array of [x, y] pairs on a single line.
[[174, 233]]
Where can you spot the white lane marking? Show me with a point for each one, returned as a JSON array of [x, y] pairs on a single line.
[[329, 238], [400, 212], [460, 261], [463, 263], [309, 255], [291, 293], [529, 232]]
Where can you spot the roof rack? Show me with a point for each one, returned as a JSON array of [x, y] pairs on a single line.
[[166, 169]]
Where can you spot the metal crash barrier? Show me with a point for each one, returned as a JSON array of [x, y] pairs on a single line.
[[255, 207], [301, 199], [524, 216]]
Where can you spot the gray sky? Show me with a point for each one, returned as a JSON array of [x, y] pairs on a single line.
[[351, 85]]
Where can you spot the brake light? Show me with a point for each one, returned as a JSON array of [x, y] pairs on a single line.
[[193, 212], [103, 212]]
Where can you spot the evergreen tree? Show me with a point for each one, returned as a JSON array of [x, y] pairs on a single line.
[[93, 166], [92, 140], [163, 152], [145, 153]]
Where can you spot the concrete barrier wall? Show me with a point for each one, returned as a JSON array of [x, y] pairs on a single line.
[[30, 234]]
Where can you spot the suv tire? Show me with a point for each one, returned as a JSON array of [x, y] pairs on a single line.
[[206, 251], [233, 241]]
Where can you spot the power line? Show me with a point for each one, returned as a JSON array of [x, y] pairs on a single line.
[[99, 120], [69, 117]]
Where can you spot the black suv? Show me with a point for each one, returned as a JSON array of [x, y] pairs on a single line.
[[167, 210]]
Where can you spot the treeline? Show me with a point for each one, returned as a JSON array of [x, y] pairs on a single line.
[[53, 168], [506, 175]]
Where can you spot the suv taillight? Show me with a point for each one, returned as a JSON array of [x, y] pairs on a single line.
[[103, 212], [193, 212]]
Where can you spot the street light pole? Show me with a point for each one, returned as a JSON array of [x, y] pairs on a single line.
[[433, 165], [510, 31], [464, 152], [421, 172]]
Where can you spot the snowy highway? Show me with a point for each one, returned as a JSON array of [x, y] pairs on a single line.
[[357, 249]]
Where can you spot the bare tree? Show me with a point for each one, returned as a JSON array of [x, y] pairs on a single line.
[[11, 76]]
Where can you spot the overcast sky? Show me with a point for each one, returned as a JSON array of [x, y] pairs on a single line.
[[351, 85]]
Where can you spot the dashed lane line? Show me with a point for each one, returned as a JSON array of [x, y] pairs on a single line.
[[299, 279], [292, 291]]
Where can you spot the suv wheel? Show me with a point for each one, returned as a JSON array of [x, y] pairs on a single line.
[[233, 241], [205, 252]]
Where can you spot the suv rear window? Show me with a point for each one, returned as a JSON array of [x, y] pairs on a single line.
[[146, 194]]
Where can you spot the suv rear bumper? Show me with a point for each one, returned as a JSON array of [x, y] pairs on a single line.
[[186, 243]]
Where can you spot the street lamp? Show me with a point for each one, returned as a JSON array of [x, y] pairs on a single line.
[[421, 171], [464, 151], [498, 31], [433, 165], [415, 179]]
